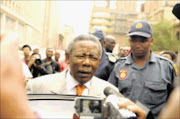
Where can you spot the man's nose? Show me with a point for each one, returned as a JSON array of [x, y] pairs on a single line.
[[87, 61]]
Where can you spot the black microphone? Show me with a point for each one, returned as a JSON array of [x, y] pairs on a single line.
[[176, 10], [110, 91]]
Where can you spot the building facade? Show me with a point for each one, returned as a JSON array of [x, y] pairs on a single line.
[[36, 22], [114, 17], [155, 11]]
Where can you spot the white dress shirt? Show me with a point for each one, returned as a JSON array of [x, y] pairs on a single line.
[[72, 83]]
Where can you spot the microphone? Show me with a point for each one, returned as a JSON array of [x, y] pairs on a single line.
[[112, 101], [176, 10], [110, 91]]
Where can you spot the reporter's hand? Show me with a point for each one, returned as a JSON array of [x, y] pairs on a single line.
[[13, 97], [31, 62], [126, 103]]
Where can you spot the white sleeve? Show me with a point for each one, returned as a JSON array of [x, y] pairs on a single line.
[[26, 71]]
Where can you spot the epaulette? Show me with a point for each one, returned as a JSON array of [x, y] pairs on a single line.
[[163, 58], [112, 57], [173, 64]]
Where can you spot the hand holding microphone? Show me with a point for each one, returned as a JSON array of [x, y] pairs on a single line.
[[126, 107]]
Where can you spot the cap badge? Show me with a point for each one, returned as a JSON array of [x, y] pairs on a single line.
[[123, 74], [139, 25], [92, 31]]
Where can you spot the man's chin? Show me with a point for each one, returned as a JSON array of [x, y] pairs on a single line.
[[140, 56], [83, 80]]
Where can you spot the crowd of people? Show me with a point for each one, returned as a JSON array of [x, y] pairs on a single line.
[[90, 66]]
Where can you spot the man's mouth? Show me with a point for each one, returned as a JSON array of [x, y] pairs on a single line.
[[84, 72]]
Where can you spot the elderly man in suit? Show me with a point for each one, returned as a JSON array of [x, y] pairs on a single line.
[[84, 54]]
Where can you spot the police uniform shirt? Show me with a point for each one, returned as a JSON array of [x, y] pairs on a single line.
[[150, 84]]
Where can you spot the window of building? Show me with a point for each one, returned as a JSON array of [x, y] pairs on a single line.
[[20, 30], [112, 4], [10, 24], [101, 3]]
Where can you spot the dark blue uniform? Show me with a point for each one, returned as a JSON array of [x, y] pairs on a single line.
[[150, 84], [106, 65]]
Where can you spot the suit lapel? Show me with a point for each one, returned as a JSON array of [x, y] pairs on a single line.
[[94, 88], [60, 84]]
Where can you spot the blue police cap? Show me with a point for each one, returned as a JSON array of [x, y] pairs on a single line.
[[98, 33], [140, 28]]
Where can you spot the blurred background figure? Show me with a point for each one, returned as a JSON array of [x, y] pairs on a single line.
[[37, 67], [107, 59], [171, 56], [57, 56], [63, 63], [26, 51], [49, 60], [99, 34], [26, 72], [123, 51], [109, 43], [36, 49]]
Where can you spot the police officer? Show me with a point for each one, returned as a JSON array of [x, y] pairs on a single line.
[[143, 75], [107, 59]]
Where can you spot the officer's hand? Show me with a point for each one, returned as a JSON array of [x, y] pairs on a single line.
[[126, 103]]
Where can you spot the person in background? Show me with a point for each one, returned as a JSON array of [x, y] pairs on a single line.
[[37, 67], [143, 75], [48, 60], [36, 49], [26, 51], [26, 72], [107, 60], [109, 43], [57, 57], [123, 51], [171, 56], [63, 63]]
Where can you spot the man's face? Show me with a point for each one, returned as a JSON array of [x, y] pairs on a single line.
[[168, 56], [123, 52], [36, 50], [140, 46], [49, 53], [26, 51], [57, 56], [84, 60], [109, 45]]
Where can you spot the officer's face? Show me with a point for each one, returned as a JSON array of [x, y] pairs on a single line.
[[109, 44], [140, 46], [84, 60]]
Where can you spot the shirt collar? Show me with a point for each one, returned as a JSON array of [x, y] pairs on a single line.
[[129, 59], [71, 82]]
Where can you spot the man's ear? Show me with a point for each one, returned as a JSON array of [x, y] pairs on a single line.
[[152, 41], [67, 58]]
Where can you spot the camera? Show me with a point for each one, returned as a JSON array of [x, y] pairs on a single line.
[[100, 109], [38, 61], [89, 106]]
